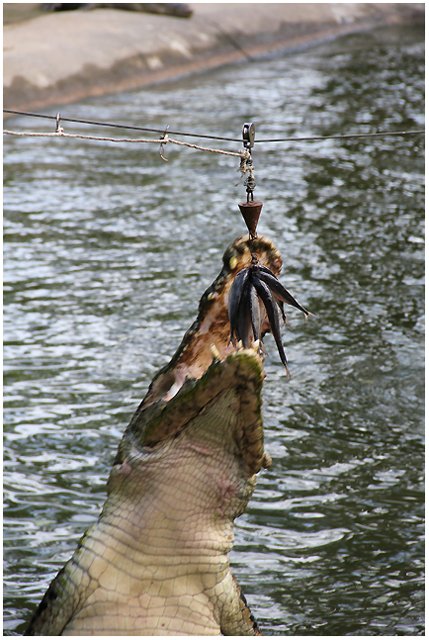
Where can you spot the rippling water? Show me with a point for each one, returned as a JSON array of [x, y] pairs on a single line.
[[107, 250]]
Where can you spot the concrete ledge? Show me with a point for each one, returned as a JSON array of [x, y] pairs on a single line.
[[64, 57]]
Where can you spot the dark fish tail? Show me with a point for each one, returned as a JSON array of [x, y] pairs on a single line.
[[264, 293]]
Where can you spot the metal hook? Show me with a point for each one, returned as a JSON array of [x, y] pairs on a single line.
[[58, 127], [164, 140]]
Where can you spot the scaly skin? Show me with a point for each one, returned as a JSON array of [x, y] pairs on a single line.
[[156, 562]]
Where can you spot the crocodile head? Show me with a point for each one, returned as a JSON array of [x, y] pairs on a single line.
[[206, 369], [157, 560]]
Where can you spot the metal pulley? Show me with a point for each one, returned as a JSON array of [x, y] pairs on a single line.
[[248, 135]]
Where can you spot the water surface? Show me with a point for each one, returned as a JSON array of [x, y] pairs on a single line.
[[107, 251]]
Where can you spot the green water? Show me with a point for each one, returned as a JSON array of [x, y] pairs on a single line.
[[107, 251]]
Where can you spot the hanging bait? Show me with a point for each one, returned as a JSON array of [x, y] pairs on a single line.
[[256, 286], [251, 285], [236, 292]]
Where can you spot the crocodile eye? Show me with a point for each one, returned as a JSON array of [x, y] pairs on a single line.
[[249, 286]]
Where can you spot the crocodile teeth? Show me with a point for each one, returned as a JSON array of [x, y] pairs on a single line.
[[256, 345], [215, 352]]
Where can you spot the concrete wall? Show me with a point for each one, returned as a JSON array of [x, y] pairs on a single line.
[[63, 57]]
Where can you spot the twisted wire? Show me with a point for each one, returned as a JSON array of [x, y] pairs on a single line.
[[159, 141]]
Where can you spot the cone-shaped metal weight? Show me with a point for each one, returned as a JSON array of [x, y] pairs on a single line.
[[251, 212]]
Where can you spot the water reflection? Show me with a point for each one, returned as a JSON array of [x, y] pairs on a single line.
[[107, 252]]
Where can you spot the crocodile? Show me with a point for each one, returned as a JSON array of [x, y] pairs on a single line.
[[156, 561]]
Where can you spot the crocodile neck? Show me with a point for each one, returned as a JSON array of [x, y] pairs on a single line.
[[192, 511], [165, 542]]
